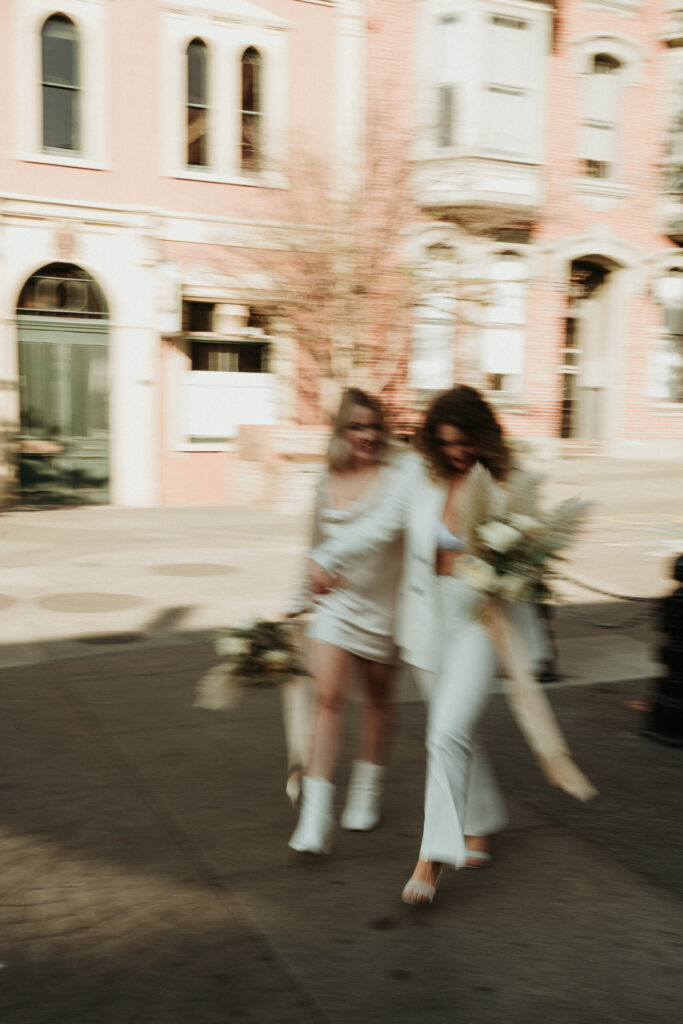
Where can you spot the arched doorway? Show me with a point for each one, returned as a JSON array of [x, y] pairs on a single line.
[[589, 328], [64, 389]]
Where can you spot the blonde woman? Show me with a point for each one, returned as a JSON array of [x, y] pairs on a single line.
[[351, 628]]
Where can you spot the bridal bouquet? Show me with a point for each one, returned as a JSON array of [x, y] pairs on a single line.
[[511, 543], [262, 654]]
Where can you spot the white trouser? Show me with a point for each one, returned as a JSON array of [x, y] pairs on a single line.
[[461, 795]]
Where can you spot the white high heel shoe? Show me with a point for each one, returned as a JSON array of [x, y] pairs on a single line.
[[362, 811], [313, 833]]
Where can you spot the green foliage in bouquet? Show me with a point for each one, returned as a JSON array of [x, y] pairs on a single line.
[[511, 543], [262, 654]]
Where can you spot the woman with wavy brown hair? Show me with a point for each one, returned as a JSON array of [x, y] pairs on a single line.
[[442, 630]]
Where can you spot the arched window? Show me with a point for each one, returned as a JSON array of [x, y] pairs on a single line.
[[62, 290], [602, 101], [197, 104], [502, 359], [666, 378], [61, 84], [252, 110]]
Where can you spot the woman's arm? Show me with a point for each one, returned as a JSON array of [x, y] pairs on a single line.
[[380, 525], [301, 599]]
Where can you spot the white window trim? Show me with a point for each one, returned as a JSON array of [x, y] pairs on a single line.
[[628, 7], [662, 265], [631, 60], [657, 402], [494, 256], [226, 39], [91, 20], [630, 55]]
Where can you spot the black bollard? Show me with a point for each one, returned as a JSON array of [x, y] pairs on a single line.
[[665, 721], [547, 672]]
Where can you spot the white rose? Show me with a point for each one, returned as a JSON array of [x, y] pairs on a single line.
[[231, 646], [514, 588], [526, 524], [477, 574], [277, 659], [499, 536]]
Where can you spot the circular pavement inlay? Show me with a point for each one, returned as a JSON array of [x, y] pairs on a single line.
[[6, 600], [90, 602], [192, 569]]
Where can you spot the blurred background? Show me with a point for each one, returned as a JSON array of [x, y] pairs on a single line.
[[215, 215]]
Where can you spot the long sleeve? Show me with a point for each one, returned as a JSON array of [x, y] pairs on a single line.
[[372, 531]]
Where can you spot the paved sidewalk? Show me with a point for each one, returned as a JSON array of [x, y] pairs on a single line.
[[76, 577], [145, 876]]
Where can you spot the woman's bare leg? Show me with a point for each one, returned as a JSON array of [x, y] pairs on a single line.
[[375, 722], [331, 669]]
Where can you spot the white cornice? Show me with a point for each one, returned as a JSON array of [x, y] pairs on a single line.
[[615, 6], [240, 11], [165, 225]]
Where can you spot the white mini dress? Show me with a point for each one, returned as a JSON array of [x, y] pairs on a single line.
[[358, 617]]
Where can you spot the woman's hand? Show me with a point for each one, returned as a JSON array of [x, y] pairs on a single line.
[[320, 580]]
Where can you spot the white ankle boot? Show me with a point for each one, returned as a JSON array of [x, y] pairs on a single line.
[[313, 833], [364, 797]]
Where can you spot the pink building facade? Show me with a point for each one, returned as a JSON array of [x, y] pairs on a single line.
[[146, 142], [549, 155], [144, 176]]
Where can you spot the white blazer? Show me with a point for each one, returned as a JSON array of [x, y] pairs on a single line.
[[414, 505]]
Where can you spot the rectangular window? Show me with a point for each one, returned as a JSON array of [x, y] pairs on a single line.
[[446, 116], [448, 75], [510, 77], [666, 370], [197, 317], [61, 128], [599, 134], [431, 361], [230, 357]]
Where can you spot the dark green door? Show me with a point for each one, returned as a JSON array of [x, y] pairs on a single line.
[[64, 390]]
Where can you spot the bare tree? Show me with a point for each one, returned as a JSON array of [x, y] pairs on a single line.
[[339, 271]]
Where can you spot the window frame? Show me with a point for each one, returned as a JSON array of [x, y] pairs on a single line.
[[193, 105], [72, 88], [631, 57], [602, 170], [251, 115], [664, 337], [91, 21], [227, 40], [519, 325]]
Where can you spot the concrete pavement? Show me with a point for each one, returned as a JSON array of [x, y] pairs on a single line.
[[144, 871]]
